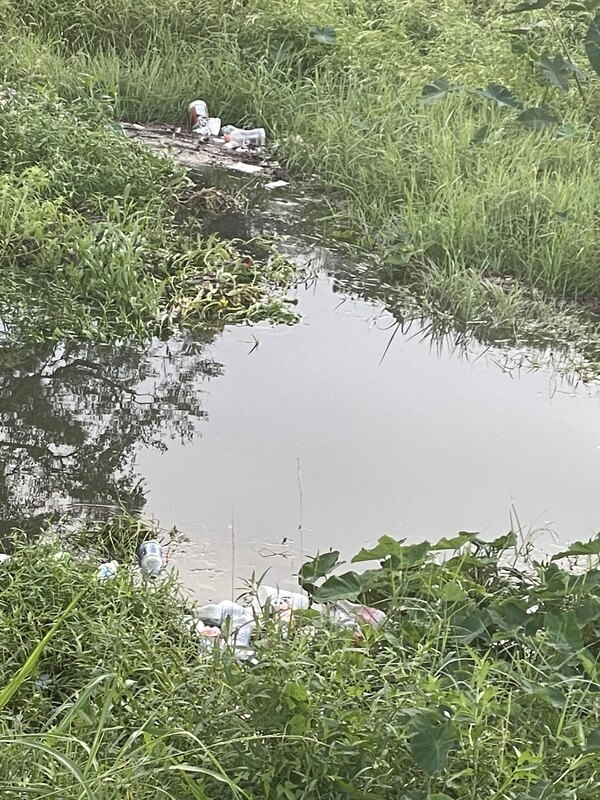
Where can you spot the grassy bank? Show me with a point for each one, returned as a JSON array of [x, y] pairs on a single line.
[[93, 241], [459, 183], [483, 683]]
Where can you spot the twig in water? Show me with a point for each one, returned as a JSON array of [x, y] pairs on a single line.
[[301, 524], [389, 344], [232, 554], [255, 345]]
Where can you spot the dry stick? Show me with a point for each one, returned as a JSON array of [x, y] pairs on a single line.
[[301, 525], [232, 553]]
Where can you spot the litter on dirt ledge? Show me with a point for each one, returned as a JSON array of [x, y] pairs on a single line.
[[186, 149]]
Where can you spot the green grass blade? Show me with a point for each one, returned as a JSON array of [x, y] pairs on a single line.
[[61, 758], [30, 664]]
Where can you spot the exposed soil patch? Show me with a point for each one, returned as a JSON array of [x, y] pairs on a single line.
[[189, 151]]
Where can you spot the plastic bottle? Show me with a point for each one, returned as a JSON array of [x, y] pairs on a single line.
[[276, 600], [226, 614], [254, 137], [151, 558]]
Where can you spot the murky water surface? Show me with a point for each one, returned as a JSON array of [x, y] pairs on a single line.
[[261, 444]]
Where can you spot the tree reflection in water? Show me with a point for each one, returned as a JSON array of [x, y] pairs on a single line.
[[73, 415]]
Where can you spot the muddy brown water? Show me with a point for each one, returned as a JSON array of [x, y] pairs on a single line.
[[266, 444]]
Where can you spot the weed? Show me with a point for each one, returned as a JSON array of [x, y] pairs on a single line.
[[90, 243], [482, 683], [361, 96]]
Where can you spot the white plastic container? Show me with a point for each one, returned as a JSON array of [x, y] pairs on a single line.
[[151, 558], [276, 600], [237, 619], [253, 137], [207, 127]]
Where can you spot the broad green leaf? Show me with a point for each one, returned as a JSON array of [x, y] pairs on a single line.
[[592, 740], [538, 118], [412, 555], [589, 664], [320, 566], [437, 89], [295, 693], [589, 548], [541, 790], [384, 548], [480, 135], [432, 738], [500, 95], [451, 592], [501, 544], [455, 542], [521, 47], [510, 615], [557, 70], [563, 632], [592, 44], [549, 694], [326, 35], [528, 5], [339, 587], [581, 583], [438, 796], [471, 625], [588, 611]]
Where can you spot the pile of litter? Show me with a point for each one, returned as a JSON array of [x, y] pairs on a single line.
[[210, 143], [235, 625], [204, 126]]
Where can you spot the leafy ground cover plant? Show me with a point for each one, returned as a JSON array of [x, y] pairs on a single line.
[[482, 683]]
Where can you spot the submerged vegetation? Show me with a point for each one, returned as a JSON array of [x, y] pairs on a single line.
[[482, 682]]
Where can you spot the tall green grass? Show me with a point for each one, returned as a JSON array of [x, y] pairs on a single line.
[[482, 683], [410, 180], [93, 243]]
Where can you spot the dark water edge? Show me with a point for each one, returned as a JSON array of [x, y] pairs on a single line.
[[265, 444]]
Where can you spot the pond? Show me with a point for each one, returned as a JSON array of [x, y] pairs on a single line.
[[263, 444]]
